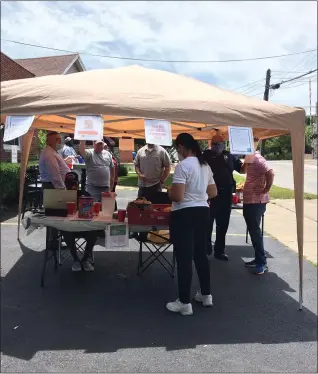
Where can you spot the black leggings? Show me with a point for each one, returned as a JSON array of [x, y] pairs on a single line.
[[188, 232]]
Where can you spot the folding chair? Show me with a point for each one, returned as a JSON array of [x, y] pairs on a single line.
[[157, 253]]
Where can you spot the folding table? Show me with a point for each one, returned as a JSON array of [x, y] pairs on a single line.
[[53, 245]]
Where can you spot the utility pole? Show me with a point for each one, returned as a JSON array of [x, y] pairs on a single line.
[[266, 95]]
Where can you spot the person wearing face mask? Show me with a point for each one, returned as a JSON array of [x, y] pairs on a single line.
[[222, 164], [192, 186], [152, 165]]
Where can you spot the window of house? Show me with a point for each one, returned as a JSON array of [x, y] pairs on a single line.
[[7, 146]]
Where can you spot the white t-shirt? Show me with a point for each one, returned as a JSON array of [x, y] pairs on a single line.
[[196, 178]]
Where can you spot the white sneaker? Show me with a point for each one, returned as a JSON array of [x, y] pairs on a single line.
[[178, 307], [87, 266], [76, 266], [206, 300]]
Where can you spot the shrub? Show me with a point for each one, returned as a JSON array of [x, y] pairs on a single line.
[[122, 171], [9, 183]]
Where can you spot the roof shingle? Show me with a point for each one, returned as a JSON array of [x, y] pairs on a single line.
[[11, 70], [51, 65]]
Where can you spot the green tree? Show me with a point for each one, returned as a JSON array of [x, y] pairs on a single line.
[[279, 148], [42, 138]]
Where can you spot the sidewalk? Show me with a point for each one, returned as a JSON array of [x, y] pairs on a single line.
[[280, 222]]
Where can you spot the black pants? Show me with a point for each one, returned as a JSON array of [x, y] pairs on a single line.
[[70, 237], [188, 232], [220, 212], [149, 192], [253, 215], [114, 190]]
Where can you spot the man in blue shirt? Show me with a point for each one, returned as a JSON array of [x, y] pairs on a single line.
[[67, 150]]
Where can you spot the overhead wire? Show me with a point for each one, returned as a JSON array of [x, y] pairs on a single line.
[[157, 60], [247, 84]]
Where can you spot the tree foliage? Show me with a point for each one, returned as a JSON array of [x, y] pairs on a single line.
[[279, 148], [42, 138]]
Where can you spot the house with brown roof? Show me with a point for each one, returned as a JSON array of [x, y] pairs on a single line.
[[53, 65], [29, 68]]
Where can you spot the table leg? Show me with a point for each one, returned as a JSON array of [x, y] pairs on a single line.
[[140, 257], [46, 256], [51, 243]]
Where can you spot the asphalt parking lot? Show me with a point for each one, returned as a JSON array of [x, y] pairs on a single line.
[[113, 320]]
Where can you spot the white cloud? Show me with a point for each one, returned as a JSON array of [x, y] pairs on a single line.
[[175, 31]]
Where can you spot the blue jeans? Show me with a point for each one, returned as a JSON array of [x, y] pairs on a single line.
[[253, 214]]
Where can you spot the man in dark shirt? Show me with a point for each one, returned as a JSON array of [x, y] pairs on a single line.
[[222, 163]]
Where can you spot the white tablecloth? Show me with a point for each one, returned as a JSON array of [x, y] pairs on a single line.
[[72, 225]]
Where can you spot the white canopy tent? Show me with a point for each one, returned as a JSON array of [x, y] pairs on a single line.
[[126, 96]]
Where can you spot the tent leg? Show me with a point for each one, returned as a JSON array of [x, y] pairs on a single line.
[[26, 142], [298, 146]]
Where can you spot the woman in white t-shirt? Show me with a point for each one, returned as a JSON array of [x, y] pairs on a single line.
[[192, 186]]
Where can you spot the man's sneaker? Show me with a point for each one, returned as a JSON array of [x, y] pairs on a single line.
[[261, 269], [206, 300], [87, 266], [251, 264], [178, 307], [76, 266]]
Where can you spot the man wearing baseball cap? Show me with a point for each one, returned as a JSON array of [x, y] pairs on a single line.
[[99, 168], [222, 164], [67, 150]]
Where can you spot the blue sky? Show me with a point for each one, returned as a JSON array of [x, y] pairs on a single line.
[[176, 31]]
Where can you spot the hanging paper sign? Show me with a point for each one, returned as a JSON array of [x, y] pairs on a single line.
[[89, 128], [16, 126], [117, 236], [14, 154], [241, 140], [158, 132]]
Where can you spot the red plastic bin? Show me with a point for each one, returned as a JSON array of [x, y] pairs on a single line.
[[149, 217]]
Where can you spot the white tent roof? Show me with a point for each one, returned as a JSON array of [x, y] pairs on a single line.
[[125, 96]]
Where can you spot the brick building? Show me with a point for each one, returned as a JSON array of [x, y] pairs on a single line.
[[29, 68]]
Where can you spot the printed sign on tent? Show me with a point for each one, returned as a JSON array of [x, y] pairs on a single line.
[[158, 132], [16, 126], [241, 140], [89, 128], [14, 154]]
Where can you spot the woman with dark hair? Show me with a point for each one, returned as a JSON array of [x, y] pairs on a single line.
[[192, 186]]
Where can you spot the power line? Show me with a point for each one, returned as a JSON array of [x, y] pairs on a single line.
[[248, 84], [296, 85], [155, 60], [287, 72], [277, 85], [249, 91]]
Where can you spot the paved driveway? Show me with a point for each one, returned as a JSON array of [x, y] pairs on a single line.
[[115, 321]]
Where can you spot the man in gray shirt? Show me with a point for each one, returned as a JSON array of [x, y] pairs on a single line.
[[99, 168], [152, 164]]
